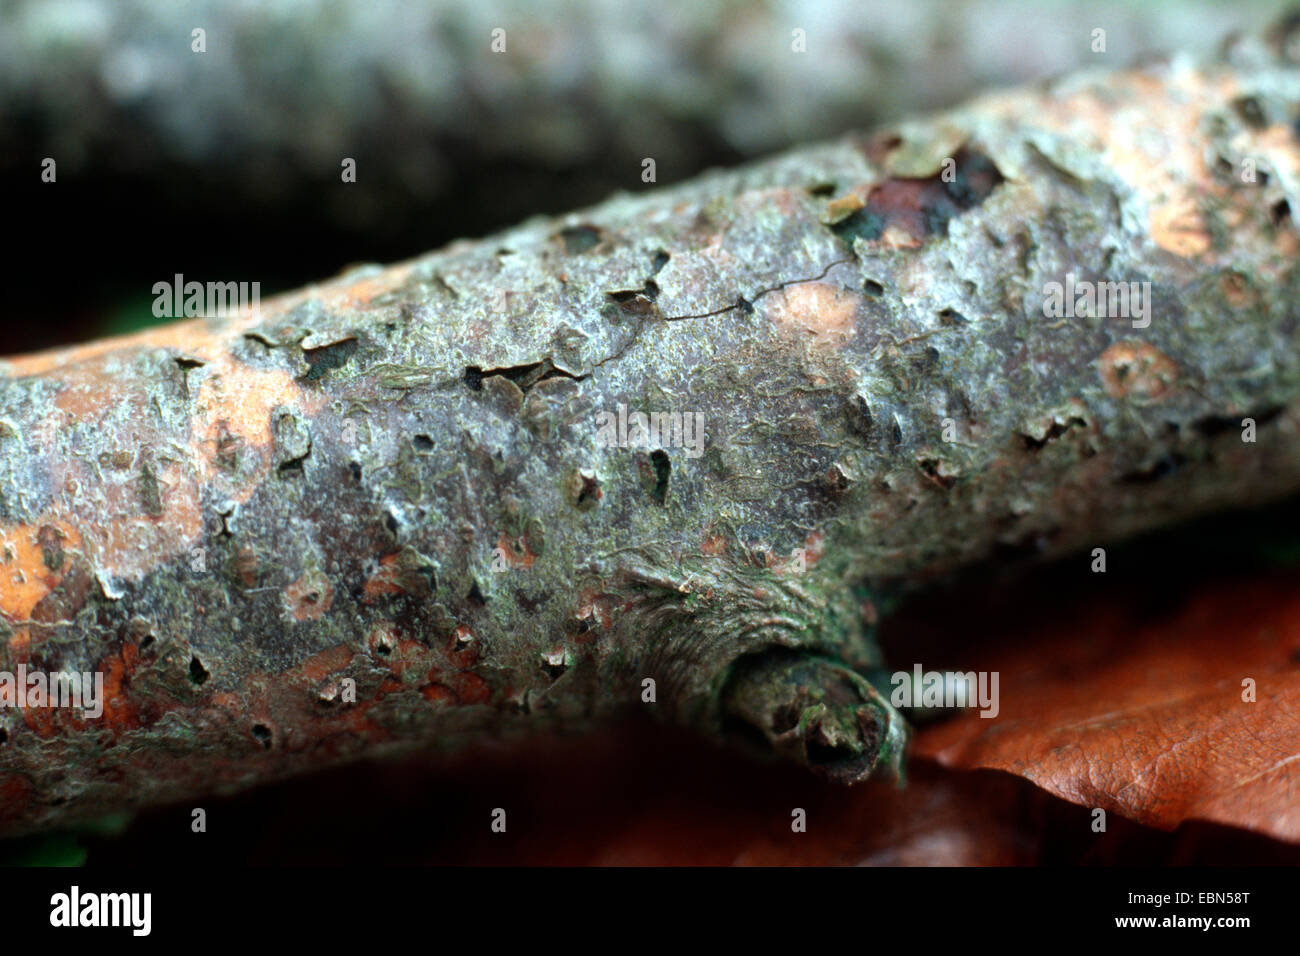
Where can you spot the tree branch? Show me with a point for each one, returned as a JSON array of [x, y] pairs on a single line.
[[409, 505]]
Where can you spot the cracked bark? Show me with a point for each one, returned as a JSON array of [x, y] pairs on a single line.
[[395, 479]]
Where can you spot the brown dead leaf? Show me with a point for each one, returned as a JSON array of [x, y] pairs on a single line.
[[1147, 720]]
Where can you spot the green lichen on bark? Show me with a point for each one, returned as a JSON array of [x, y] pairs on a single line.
[[395, 482]]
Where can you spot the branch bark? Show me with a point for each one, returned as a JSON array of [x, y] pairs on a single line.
[[416, 94], [403, 480]]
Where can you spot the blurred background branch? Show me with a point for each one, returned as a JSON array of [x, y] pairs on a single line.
[[229, 161]]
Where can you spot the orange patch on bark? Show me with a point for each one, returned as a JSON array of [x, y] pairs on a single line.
[[309, 597], [1178, 227], [1147, 129], [1136, 369], [25, 577], [123, 536], [1237, 291], [392, 578], [191, 337], [246, 566], [714, 544], [595, 608], [814, 546], [384, 581], [119, 712], [840, 208], [464, 688], [438, 692], [823, 311], [20, 644], [210, 339], [88, 392], [322, 665], [521, 558], [126, 542], [232, 413], [410, 654], [472, 689]]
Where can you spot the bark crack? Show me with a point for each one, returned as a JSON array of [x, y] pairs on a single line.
[[746, 304]]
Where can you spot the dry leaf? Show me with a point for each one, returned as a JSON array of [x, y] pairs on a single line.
[[1148, 720]]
